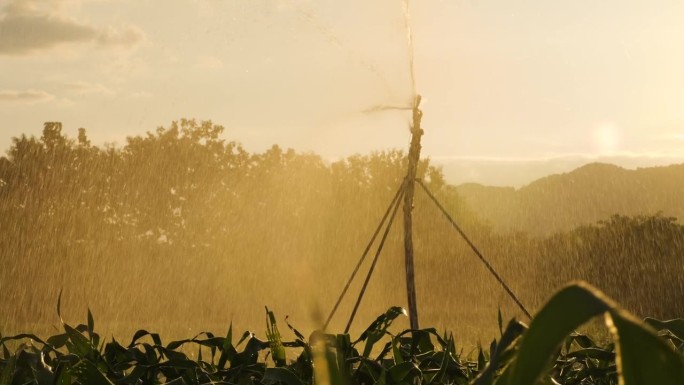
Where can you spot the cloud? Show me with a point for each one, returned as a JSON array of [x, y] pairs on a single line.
[[125, 37], [28, 96], [28, 26], [85, 88], [141, 95], [209, 62], [22, 34]]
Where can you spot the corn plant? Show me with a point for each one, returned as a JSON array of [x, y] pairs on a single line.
[[549, 351]]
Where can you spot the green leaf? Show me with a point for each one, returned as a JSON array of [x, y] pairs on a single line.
[[481, 361], [62, 375], [59, 306], [299, 335], [280, 375], [134, 375], [275, 341], [504, 350], [91, 324], [176, 381], [382, 322], [383, 377], [142, 333], [421, 342], [228, 351], [396, 351], [245, 335], [80, 345], [399, 373], [25, 335], [582, 340], [58, 341], [595, 353], [8, 371], [378, 328], [676, 326], [443, 366], [173, 345], [179, 364], [87, 374], [567, 310], [643, 357]]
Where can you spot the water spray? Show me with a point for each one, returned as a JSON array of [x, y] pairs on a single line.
[[406, 192]]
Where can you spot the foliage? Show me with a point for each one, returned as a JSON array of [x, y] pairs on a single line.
[[185, 211], [548, 352], [637, 260], [177, 200], [586, 195]]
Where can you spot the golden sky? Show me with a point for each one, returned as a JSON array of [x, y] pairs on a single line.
[[539, 84]]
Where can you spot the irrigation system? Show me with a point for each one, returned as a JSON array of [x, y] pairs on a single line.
[[406, 192]]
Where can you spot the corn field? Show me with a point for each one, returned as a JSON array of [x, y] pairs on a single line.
[[548, 351]]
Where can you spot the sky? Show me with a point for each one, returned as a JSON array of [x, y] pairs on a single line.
[[511, 91]]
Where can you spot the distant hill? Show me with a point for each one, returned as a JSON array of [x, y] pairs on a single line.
[[588, 194]]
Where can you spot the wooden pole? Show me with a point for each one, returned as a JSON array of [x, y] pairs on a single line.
[[413, 159]]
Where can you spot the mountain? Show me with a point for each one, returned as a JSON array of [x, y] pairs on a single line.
[[583, 196]]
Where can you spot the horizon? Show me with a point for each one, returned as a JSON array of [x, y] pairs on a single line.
[[487, 171]]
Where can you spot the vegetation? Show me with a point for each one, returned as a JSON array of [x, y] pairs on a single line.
[[548, 352], [185, 212], [591, 193]]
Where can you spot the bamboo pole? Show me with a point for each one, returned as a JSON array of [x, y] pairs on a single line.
[[413, 159]]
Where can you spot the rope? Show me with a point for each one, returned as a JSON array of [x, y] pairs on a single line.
[[475, 249], [375, 259], [365, 253]]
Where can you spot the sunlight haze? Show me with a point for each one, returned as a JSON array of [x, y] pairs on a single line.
[[512, 90], [504, 171]]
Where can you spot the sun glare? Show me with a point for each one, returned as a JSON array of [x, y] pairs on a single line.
[[606, 138]]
